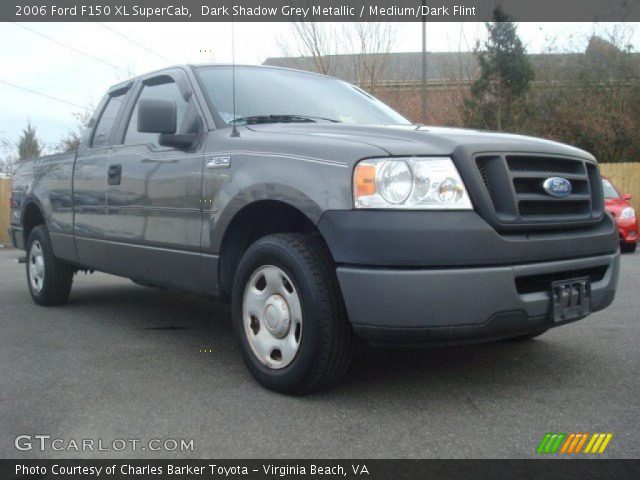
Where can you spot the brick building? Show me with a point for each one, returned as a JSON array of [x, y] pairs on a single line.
[[396, 78]]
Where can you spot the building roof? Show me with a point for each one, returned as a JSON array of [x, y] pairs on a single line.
[[406, 67], [442, 67], [393, 67]]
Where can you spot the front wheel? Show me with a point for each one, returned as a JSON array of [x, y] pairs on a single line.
[[289, 318], [49, 279]]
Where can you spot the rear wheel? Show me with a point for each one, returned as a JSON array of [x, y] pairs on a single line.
[[628, 247], [289, 318], [49, 279]]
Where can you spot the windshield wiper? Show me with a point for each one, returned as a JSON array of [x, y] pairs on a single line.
[[252, 120]]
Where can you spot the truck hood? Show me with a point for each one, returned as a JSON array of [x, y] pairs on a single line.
[[399, 140]]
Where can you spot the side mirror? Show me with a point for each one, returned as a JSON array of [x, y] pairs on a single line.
[[157, 116], [626, 196]]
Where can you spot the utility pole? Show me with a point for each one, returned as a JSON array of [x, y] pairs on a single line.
[[423, 96]]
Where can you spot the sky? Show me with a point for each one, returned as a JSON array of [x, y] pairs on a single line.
[[78, 62]]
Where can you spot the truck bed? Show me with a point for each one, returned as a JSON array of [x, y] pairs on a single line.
[[48, 179]]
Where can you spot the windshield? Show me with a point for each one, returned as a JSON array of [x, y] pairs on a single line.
[[609, 190], [271, 95]]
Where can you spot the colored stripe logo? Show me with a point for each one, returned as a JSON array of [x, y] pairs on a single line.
[[550, 442], [573, 443], [598, 443]]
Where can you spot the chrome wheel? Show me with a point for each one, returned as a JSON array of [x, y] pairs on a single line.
[[36, 266], [272, 317]]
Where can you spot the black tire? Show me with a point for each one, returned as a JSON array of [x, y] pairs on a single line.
[[327, 340], [527, 337], [628, 247], [58, 275]]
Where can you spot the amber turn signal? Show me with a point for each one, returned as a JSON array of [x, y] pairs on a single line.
[[364, 180]]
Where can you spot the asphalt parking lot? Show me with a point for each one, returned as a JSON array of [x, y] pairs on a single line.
[[122, 361]]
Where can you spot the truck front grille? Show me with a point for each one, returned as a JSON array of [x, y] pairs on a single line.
[[542, 164], [546, 209], [514, 183]]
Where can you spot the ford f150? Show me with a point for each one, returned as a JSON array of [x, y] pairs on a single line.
[[321, 214]]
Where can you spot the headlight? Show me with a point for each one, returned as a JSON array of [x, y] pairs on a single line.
[[627, 212], [417, 183]]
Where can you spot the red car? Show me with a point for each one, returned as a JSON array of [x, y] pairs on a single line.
[[618, 206]]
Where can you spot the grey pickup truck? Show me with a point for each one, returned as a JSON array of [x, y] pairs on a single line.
[[321, 214]]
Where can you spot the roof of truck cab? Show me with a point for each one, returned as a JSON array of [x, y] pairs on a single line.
[[119, 86], [270, 67], [127, 83]]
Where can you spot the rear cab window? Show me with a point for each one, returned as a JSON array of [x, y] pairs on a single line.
[[102, 133]]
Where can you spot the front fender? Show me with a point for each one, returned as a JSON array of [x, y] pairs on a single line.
[[312, 187], [259, 192]]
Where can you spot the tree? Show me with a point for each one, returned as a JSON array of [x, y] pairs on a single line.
[[370, 44], [318, 47], [592, 99], [29, 145], [505, 75], [71, 141], [314, 41], [8, 157]]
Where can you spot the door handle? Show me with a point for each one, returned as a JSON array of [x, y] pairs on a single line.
[[114, 174]]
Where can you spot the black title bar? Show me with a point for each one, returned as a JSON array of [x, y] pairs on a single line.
[[325, 469], [317, 10]]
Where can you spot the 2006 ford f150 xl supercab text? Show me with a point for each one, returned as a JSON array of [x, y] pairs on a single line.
[[321, 214]]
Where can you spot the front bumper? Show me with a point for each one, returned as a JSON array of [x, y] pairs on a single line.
[[628, 229], [465, 305], [452, 239], [450, 277]]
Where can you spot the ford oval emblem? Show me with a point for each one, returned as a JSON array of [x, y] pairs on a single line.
[[557, 187]]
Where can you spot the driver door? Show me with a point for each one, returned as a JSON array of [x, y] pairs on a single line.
[[154, 194]]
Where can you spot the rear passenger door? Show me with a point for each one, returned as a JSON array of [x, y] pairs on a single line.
[[154, 194], [90, 179]]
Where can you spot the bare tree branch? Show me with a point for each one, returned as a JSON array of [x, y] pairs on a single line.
[[8, 157], [367, 46]]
